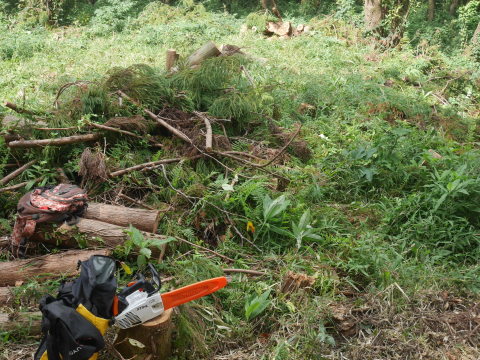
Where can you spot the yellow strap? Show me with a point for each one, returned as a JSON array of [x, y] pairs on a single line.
[[100, 323]]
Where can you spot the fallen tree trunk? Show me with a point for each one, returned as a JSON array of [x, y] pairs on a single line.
[[54, 142], [45, 267], [96, 234], [146, 220], [29, 322], [206, 51]]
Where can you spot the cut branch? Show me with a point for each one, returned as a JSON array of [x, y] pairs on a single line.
[[171, 59], [151, 164], [208, 135], [54, 142], [19, 186], [24, 322], [18, 109], [17, 172], [158, 119], [125, 132], [245, 271]]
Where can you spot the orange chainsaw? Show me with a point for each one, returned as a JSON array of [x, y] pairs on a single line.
[[141, 300]]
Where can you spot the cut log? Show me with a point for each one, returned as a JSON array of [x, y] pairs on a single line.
[[171, 59], [24, 322], [96, 234], [45, 267], [146, 220], [279, 28], [206, 51], [6, 295], [54, 142], [153, 338]]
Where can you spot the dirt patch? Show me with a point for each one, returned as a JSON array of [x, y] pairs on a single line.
[[430, 326]]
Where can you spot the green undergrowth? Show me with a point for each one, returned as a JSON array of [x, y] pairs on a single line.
[[388, 199]]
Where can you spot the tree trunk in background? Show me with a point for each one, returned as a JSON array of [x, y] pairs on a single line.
[[476, 35], [373, 14], [453, 7], [431, 10]]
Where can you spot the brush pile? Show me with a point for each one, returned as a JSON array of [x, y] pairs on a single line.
[[191, 111]]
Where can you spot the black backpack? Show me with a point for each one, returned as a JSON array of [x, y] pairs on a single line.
[[75, 321]]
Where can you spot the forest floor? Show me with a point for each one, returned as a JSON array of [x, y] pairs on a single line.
[[381, 213]]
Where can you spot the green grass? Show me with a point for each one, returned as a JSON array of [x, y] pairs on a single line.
[[387, 216]]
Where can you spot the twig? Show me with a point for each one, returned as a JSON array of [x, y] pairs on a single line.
[[152, 164], [159, 119], [284, 148], [124, 132], [56, 129], [65, 87], [54, 142], [247, 75], [204, 249], [245, 271], [208, 136], [18, 186], [18, 109], [17, 172], [123, 196]]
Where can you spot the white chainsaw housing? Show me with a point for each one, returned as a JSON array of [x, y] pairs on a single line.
[[140, 309]]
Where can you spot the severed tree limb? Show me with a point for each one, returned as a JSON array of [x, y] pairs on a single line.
[[45, 267], [158, 119], [244, 271], [151, 164], [24, 322], [18, 109], [17, 172], [54, 142], [18, 186], [208, 136], [125, 132]]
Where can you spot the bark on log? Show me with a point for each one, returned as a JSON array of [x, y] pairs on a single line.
[[155, 335], [206, 51], [29, 322], [146, 220], [6, 295], [54, 142], [18, 109], [18, 186], [45, 267], [96, 233], [17, 172], [476, 34], [171, 59]]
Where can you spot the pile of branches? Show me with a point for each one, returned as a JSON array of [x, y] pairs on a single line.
[[155, 108]]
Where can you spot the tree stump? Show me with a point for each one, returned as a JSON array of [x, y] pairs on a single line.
[[151, 340]]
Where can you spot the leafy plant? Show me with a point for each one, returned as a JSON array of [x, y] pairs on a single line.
[[304, 230], [138, 241], [256, 304]]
